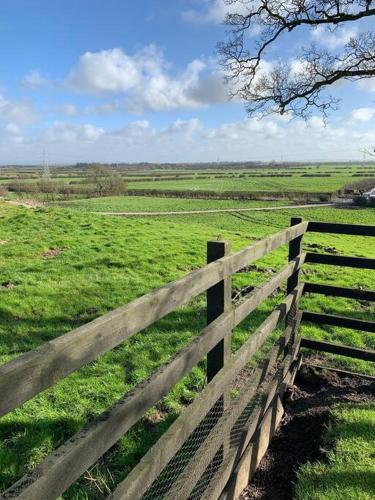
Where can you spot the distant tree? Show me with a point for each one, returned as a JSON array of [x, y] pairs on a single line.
[[48, 187], [294, 87], [106, 181]]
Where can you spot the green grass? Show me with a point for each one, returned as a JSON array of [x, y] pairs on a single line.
[[105, 262], [307, 184], [147, 204], [235, 179], [349, 473]]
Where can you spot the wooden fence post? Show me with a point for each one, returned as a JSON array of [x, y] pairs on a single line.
[[219, 299], [295, 248]]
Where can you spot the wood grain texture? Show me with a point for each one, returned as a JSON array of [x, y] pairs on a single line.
[[61, 469], [342, 321], [342, 350], [336, 228], [339, 291], [340, 260], [295, 249]]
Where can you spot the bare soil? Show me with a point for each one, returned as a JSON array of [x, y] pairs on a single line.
[[26, 203], [51, 253], [299, 437]]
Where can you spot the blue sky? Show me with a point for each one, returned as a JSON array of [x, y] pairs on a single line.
[[119, 80]]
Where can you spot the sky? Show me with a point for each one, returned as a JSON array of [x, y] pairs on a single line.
[[134, 81]]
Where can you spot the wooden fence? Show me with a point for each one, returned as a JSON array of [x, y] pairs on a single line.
[[214, 446]]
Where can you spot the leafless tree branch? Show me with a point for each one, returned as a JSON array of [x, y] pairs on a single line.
[[293, 86]]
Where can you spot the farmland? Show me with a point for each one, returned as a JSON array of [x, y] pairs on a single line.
[[63, 266], [277, 181], [65, 263], [261, 183]]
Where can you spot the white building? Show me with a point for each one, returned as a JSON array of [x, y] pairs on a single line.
[[370, 194]]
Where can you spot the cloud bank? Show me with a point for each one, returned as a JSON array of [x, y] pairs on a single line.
[[145, 79], [189, 140]]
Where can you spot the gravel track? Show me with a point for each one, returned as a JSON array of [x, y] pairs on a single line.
[[212, 211]]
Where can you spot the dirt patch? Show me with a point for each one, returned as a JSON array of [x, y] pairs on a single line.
[[8, 284], [331, 250], [91, 312], [299, 438], [51, 253], [26, 203]]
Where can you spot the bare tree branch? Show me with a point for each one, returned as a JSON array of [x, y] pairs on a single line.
[[368, 151], [293, 86]]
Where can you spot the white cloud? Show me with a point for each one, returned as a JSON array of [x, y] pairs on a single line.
[[34, 80], [134, 133], [106, 108], [187, 128], [362, 114], [62, 132], [161, 92], [68, 109], [367, 84], [333, 39], [213, 12], [17, 112], [12, 134], [12, 128], [192, 140], [298, 67], [247, 130], [105, 71], [145, 79]]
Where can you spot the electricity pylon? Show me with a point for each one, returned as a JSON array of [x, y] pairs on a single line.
[[46, 170]]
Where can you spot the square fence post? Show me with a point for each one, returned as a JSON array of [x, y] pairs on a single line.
[[295, 248], [219, 299]]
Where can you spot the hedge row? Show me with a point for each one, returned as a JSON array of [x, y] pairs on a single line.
[[233, 195]]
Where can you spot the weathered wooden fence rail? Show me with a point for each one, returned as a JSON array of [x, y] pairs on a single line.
[[214, 446]]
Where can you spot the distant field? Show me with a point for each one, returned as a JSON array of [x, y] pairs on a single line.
[[295, 183], [304, 178]]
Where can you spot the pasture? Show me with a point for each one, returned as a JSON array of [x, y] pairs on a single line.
[[296, 183], [63, 266], [78, 182]]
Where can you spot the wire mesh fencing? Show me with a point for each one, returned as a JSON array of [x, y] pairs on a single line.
[[218, 441]]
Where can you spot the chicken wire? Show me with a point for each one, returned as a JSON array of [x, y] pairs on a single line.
[[218, 437]]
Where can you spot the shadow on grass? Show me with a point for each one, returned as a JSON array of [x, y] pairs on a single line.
[[24, 444]]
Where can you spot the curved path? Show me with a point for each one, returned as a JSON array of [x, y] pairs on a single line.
[[213, 210]]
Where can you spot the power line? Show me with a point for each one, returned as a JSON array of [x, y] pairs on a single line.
[[46, 170]]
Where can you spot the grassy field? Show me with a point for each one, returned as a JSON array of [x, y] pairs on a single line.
[[348, 474], [147, 204], [283, 178], [306, 184], [62, 267]]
